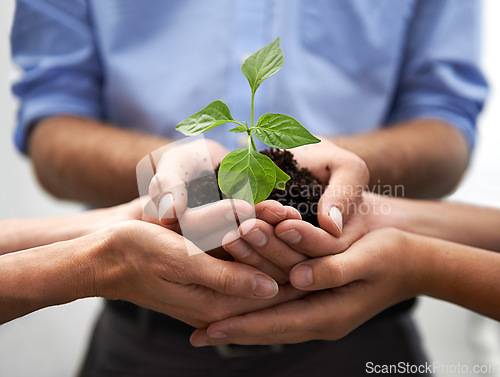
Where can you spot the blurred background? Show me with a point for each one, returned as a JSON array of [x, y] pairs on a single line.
[[52, 342]]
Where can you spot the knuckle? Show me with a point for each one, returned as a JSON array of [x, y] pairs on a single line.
[[227, 281], [333, 270], [216, 314], [361, 168], [296, 324], [274, 254], [280, 328]]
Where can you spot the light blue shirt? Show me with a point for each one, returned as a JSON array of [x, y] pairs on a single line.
[[350, 65]]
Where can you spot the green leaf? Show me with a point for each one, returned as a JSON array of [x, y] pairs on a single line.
[[281, 178], [212, 115], [238, 129], [282, 131], [247, 175], [263, 64]]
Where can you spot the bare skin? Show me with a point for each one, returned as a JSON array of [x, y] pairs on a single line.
[[89, 161], [386, 266], [427, 157], [130, 260]]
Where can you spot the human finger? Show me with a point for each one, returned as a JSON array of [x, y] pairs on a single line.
[[325, 315], [209, 306], [313, 241], [219, 217], [349, 177], [274, 212], [334, 270], [177, 164], [169, 194], [261, 237], [242, 252], [286, 323], [231, 278]]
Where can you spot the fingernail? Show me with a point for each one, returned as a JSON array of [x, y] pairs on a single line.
[[290, 236], [276, 217], [235, 216], [256, 237], [239, 249], [165, 207], [295, 212], [264, 287], [336, 216], [302, 276], [201, 343], [218, 335]]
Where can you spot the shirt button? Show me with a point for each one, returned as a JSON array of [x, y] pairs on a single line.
[[242, 140], [244, 57]]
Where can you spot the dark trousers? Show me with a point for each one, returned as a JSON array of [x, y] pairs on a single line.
[[147, 345]]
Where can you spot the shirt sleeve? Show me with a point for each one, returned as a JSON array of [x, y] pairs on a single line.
[[440, 75], [52, 41]]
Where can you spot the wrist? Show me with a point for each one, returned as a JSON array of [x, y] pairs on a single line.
[[386, 212], [48, 275], [107, 258], [101, 218], [421, 262]]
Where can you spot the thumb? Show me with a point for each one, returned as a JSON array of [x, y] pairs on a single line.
[[169, 194], [342, 195], [328, 272]]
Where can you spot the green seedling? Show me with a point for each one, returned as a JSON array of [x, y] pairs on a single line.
[[245, 173]]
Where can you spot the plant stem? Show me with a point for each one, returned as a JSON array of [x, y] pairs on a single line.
[[239, 124], [251, 109], [253, 143]]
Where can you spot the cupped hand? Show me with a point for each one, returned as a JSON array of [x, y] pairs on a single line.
[[290, 241], [351, 287], [254, 242], [345, 175], [160, 270], [173, 166]]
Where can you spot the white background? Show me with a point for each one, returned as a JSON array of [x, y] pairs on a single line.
[[51, 342]]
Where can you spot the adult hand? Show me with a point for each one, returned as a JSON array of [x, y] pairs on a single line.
[[156, 268], [254, 242], [376, 272], [291, 241], [346, 176], [174, 165]]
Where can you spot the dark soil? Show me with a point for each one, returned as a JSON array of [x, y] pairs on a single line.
[[302, 191]]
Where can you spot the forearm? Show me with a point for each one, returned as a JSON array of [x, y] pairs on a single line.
[[89, 161], [21, 234], [48, 275], [421, 158], [462, 223], [460, 274]]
